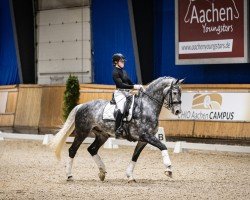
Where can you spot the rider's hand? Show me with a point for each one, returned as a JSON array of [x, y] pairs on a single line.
[[138, 87]]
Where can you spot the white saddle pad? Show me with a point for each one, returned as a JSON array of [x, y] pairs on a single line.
[[109, 109]]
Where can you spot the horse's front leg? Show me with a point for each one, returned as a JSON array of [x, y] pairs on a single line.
[[100, 139], [138, 149], [151, 139]]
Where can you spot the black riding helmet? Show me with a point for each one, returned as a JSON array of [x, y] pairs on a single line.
[[116, 57]]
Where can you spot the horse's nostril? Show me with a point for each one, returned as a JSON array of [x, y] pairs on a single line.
[[177, 112]]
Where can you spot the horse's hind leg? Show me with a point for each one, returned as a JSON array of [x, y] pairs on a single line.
[[93, 150], [72, 152]]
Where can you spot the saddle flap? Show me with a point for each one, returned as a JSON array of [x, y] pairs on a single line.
[[109, 110]]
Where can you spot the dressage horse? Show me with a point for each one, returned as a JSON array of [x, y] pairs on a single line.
[[87, 118]]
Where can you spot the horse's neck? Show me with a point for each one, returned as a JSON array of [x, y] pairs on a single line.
[[155, 91], [154, 100]]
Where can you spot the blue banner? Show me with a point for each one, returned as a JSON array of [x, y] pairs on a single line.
[[111, 34], [8, 59]]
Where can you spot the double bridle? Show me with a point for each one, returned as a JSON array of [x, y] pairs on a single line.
[[170, 101]]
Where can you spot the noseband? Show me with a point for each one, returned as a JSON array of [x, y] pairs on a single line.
[[170, 101]]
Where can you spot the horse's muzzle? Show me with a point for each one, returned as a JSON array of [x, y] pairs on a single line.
[[177, 112]]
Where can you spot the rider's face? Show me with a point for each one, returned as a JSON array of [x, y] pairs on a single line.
[[121, 63]]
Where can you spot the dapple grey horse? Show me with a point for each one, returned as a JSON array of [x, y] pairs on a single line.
[[87, 118]]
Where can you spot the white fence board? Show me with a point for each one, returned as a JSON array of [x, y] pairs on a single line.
[[57, 16], [66, 50], [185, 145], [55, 4], [59, 66], [65, 32]]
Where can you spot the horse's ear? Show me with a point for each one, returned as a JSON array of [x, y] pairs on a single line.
[[181, 81]]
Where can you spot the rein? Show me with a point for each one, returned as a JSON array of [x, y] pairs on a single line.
[[166, 105], [152, 98]]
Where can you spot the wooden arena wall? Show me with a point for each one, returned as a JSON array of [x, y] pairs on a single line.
[[8, 101], [38, 108]]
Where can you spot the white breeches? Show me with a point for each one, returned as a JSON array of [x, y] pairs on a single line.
[[120, 99]]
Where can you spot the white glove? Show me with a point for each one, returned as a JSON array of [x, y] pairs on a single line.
[[138, 87]]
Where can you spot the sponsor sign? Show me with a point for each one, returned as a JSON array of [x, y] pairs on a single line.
[[212, 107], [211, 31]]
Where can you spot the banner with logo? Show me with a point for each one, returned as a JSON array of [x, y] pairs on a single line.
[[212, 107], [211, 31]]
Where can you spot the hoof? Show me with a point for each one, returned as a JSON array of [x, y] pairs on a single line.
[[169, 174], [70, 178], [132, 181], [102, 175]]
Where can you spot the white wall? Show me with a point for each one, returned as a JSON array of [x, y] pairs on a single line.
[[55, 4], [63, 45]]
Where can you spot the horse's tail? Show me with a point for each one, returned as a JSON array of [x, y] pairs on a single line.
[[58, 141]]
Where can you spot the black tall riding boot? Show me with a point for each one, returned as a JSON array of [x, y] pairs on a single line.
[[118, 124]]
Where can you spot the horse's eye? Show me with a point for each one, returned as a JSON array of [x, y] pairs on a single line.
[[175, 93]]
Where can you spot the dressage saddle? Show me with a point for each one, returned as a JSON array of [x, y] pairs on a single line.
[[127, 106]]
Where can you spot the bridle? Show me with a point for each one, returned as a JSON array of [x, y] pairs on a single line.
[[170, 101]]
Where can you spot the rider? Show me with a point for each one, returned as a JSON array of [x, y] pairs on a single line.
[[123, 87]]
